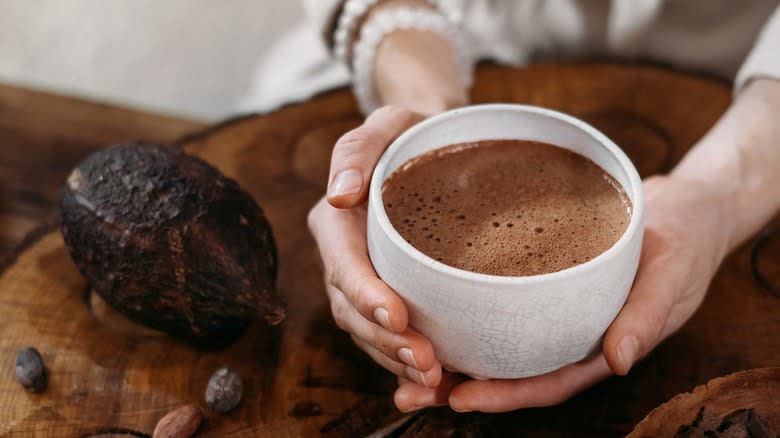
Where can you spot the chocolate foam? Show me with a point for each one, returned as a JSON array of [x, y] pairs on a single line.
[[506, 207]]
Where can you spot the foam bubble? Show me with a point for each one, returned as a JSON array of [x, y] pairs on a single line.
[[570, 216]]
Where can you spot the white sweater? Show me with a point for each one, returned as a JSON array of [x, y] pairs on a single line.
[[737, 40]]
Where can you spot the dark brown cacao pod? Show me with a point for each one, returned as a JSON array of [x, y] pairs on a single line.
[[170, 242]]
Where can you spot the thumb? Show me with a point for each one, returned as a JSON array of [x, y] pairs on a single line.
[[357, 151], [640, 325]]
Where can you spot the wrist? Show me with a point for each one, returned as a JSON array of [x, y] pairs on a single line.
[[415, 58], [353, 14], [738, 161], [419, 70], [694, 211]]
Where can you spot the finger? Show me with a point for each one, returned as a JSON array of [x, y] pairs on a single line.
[[544, 390], [641, 323], [341, 239], [357, 151], [409, 347], [429, 379], [403, 380], [411, 396]]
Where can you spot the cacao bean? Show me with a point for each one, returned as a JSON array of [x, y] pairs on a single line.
[[224, 390], [30, 371], [181, 422]]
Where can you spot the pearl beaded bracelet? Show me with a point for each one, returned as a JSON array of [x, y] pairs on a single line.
[[384, 22], [352, 12]]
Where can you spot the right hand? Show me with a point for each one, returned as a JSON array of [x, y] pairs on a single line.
[[361, 303]]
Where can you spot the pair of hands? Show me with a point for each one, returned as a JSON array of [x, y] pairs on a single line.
[[679, 258]]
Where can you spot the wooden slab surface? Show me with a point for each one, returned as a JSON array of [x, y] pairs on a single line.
[[43, 135], [756, 389], [306, 378]]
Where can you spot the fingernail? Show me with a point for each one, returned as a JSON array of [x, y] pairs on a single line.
[[452, 401], [417, 376], [627, 351], [346, 182], [382, 317], [406, 356]]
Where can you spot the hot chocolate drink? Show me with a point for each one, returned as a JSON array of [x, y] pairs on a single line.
[[506, 207]]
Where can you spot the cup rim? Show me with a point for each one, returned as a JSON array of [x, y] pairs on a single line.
[[376, 204]]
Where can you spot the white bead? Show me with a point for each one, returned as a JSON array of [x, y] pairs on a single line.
[[369, 33], [380, 26], [352, 12], [404, 18], [353, 7]]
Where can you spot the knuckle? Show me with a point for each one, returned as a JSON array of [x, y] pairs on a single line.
[[359, 296], [381, 342], [354, 287], [656, 319], [332, 276], [391, 111], [334, 273], [353, 142], [362, 298], [339, 315], [313, 217]]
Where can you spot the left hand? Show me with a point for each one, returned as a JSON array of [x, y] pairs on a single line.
[[686, 237]]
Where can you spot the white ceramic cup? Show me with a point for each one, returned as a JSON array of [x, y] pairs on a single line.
[[491, 326]]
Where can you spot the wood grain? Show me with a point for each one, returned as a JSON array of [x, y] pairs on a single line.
[[306, 378], [756, 389], [44, 135]]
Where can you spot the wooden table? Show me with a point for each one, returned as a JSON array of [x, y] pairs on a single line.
[[306, 378]]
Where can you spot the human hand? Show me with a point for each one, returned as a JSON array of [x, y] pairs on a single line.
[[686, 237], [361, 303]]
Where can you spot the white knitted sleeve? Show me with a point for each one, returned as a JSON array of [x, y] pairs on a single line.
[[764, 58]]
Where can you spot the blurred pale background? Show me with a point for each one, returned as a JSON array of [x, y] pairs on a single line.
[[192, 58]]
